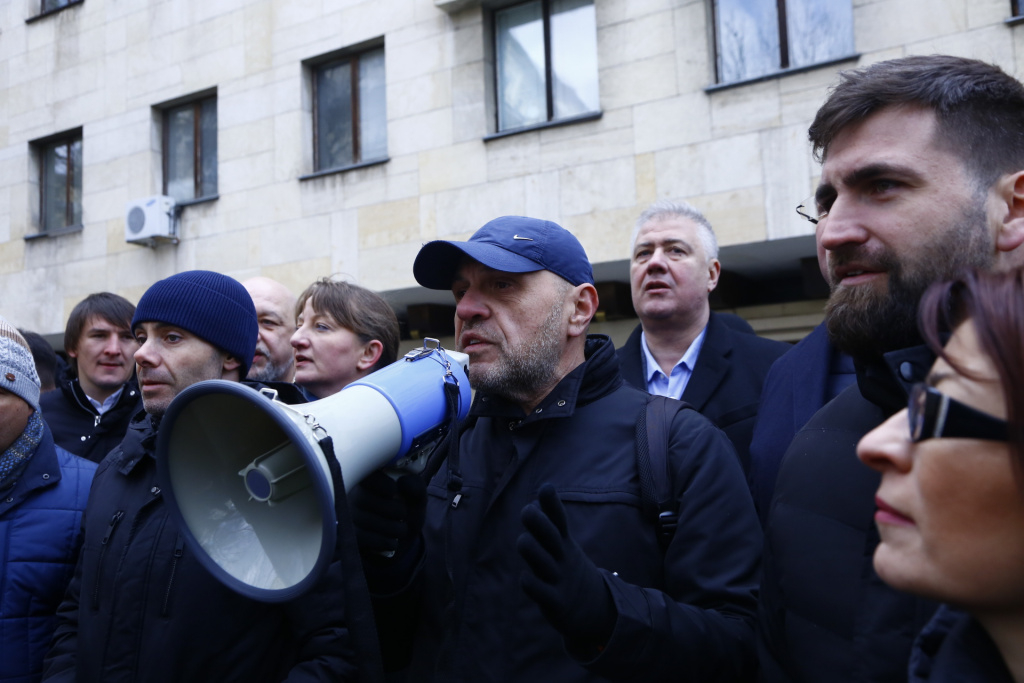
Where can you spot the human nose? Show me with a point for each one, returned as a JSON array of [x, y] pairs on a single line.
[[298, 338], [888, 446], [471, 305], [146, 355], [842, 225], [112, 345]]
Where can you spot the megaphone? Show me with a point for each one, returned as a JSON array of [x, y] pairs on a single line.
[[247, 479]]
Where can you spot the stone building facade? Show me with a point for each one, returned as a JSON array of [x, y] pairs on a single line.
[[665, 111]]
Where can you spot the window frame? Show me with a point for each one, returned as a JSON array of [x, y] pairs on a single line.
[[196, 102], [353, 55], [549, 95], [54, 10], [784, 67], [40, 149]]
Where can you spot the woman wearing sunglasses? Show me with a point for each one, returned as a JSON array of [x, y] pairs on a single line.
[[951, 500]]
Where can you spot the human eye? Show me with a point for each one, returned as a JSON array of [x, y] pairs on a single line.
[[173, 337], [641, 254], [882, 185], [140, 338]]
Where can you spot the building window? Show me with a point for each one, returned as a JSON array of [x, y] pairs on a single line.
[[61, 182], [759, 37], [53, 5], [1017, 7], [349, 112], [190, 150], [545, 62]]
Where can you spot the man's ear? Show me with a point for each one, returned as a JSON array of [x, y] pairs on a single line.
[[231, 364], [714, 272], [584, 299], [372, 351], [1010, 232]]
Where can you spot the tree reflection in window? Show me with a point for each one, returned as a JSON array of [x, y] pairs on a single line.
[[759, 37], [546, 59]]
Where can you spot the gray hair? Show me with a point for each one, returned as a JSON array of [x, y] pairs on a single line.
[[665, 208]]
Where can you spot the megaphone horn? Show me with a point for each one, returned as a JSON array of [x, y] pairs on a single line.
[[248, 481]]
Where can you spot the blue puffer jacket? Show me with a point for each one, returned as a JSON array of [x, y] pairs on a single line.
[[40, 534]]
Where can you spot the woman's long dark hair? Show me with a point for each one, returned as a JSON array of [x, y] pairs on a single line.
[[994, 303]]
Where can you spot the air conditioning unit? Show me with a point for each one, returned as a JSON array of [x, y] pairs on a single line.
[[151, 220]]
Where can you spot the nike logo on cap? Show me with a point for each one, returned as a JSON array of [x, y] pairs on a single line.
[[517, 237]]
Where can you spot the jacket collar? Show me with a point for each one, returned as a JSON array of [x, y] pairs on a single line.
[[41, 470], [595, 377], [887, 383], [139, 441]]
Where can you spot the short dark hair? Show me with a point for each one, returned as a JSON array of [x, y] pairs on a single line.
[[113, 308], [45, 358], [994, 303], [362, 311], [979, 108]]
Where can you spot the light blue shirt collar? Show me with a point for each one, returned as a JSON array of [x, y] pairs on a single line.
[[675, 384], [108, 404]]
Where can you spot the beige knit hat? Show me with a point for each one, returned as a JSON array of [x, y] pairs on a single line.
[[17, 367]]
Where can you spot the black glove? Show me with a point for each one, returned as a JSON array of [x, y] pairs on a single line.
[[560, 578], [388, 516]]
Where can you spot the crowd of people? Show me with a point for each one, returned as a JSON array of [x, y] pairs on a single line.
[[850, 508]]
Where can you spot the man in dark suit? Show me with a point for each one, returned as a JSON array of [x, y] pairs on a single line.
[[680, 348]]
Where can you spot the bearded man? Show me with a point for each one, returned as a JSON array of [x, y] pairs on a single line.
[[529, 555], [921, 179]]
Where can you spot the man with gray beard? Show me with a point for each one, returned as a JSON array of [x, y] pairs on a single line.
[[531, 554], [274, 360], [922, 178]]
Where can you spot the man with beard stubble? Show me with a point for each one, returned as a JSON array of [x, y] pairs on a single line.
[[921, 180], [141, 607], [529, 555], [274, 360]]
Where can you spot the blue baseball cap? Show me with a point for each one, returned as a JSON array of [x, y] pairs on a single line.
[[511, 244]]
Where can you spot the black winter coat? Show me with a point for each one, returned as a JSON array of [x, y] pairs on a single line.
[[76, 425], [142, 608], [954, 648], [683, 614], [824, 614]]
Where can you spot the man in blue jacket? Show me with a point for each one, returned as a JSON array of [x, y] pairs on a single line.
[[43, 490], [141, 607], [537, 558]]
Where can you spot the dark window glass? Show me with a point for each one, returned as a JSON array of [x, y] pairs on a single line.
[[61, 193], [50, 5], [759, 37], [349, 112], [546, 62], [190, 150]]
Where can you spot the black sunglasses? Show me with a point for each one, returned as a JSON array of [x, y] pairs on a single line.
[[933, 415]]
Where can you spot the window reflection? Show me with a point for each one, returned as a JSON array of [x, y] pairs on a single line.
[[525, 96]]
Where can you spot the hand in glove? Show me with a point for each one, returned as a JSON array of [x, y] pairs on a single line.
[[560, 578], [388, 516]]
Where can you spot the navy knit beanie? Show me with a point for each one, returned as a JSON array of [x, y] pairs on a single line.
[[211, 306]]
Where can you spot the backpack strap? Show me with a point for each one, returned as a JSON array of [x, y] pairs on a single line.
[[654, 470]]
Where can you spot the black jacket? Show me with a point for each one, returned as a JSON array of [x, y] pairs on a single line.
[[954, 648], [824, 614], [76, 425], [683, 613], [727, 378], [141, 607]]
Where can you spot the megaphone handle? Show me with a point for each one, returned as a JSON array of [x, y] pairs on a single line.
[[449, 446]]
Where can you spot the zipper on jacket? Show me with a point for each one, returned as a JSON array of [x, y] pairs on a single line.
[[179, 550], [118, 516]]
